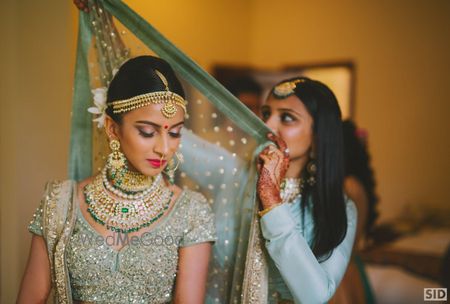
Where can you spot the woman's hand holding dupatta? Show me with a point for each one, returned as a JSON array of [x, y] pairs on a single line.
[[274, 162]]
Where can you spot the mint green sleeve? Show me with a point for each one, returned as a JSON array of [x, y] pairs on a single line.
[[207, 158], [308, 280]]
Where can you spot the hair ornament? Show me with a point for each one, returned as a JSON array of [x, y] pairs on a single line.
[[286, 89], [100, 106], [170, 100]]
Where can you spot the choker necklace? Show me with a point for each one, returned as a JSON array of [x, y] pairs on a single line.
[[125, 212], [291, 188], [129, 194], [127, 181]]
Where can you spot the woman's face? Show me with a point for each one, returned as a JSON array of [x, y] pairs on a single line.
[[289, 119], [148, 138]]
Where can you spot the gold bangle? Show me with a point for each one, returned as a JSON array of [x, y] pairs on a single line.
[[264, 211]]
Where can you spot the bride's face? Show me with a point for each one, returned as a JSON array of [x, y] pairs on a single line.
[[290, 120], [148, 138]]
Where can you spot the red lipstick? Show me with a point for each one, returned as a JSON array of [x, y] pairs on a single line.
[[157, 163]]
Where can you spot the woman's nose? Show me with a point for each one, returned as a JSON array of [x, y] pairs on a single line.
[[272, 124], [162, 145]]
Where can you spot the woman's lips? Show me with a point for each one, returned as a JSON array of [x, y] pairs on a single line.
[[156, 163]]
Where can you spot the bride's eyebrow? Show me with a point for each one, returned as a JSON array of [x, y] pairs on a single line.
[[150, 123]]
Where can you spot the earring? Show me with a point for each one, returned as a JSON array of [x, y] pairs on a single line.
[[311, 168], [172, 167], [116, 162]]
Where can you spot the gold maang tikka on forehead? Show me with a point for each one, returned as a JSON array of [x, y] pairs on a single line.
[[170, 100], [286, 89]]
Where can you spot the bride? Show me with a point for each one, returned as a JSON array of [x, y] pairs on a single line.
[[128, 234]]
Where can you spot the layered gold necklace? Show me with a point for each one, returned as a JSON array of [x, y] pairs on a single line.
[[137, 202]]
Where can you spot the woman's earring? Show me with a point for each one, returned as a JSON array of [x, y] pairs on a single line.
[[117, 161], [311, 168], [172, 167]]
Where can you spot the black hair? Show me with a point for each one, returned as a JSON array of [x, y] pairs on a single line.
[[357, 164], [328, 204], [244, 84], [137, 76]]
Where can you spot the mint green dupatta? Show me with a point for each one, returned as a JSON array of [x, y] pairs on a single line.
[[219, 150]]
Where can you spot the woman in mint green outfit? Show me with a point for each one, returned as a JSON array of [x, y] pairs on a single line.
[[307, 224], [297, 247]]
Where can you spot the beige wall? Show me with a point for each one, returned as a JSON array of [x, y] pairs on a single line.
[[207, 31], [36, 81], [400, 47]]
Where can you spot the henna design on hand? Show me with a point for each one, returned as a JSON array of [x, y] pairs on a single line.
[[275, 163]]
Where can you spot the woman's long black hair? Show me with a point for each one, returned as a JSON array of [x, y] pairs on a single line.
[[137, 76], [357, 164], [328, 205]]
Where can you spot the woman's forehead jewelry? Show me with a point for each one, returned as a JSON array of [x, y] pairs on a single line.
[[169, 99], [163, 79], [166, 127], [286, 89]]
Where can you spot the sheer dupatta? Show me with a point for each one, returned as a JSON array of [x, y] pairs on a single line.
[[219, 146]]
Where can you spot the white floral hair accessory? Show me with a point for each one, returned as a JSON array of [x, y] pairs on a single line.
[[100, 106]]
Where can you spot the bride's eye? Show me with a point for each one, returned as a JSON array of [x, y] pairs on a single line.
[[146, 134], [175, 134]]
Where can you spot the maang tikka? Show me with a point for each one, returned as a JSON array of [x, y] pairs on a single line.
[[169, 99]]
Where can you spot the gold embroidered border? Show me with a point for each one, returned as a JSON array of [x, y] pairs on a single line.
[[255, 285], [59, 218], [48, 224]]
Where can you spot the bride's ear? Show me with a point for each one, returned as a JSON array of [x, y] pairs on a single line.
[[111, 128]]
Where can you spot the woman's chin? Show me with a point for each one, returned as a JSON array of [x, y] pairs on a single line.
[[150, 171]]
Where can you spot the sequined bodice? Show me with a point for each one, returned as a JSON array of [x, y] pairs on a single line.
[[144, 270]]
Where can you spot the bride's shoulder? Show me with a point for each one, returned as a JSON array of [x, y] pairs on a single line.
[[195, 196], [82, 183], [195, 201], [57, 185]]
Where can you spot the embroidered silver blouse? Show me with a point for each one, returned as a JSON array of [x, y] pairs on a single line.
[[144, 270]]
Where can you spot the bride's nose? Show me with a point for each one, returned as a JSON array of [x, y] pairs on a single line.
[[161, 145]]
